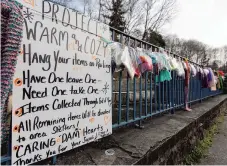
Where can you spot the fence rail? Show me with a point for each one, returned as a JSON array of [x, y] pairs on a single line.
[[140, 98]]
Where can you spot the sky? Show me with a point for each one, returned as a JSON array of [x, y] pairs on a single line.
[[203, 20]]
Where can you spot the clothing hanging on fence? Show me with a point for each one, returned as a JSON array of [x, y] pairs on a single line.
[[146, 63], [135, 61], [205, 79], [153, 57], [193, 70], [160, 61], [164, 75], [116, 54], [218, 82], [221, 73], [206, 71], [214, 87], [127, 62], [155, 62], [138, 61], [200, 73], [174, 64], [168, 60], [187, 73], [180, 70], [221, 81], [11, 35], [184, 65], [211, 79], [209, 76], [164, 61], [186, 82]]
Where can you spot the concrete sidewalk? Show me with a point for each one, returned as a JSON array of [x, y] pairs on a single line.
[[217, 154]]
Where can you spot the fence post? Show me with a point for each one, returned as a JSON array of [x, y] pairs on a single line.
[[201, 92], [53, 160]]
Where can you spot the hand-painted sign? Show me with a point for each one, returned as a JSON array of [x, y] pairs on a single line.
[[62, 83]]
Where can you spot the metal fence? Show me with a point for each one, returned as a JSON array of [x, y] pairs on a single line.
[[140, 98]]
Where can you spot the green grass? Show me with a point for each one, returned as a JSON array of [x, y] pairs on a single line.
[[202, 146]]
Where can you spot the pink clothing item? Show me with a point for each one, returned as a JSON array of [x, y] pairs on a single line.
[[146, 63], [186, 91]]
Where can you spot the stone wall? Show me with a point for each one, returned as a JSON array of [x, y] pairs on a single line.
[[173, 150]]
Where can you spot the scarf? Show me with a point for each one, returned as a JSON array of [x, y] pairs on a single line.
[[11, 35]]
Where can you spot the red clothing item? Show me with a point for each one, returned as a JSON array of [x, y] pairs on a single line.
[[221, 73], [187, 74]]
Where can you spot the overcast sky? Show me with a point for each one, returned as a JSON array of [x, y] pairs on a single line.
[[204, 20]]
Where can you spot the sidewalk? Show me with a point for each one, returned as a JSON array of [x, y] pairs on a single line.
[[217, 154]]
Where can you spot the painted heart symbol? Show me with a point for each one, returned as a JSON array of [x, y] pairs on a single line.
[[94, 57], [31, 2], [58, 139], [106, 119], [91, 120]]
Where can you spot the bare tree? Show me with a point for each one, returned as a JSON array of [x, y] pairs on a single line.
[[100, 9], [89, 8], [204, 55], [134, 16], [192, 49], [212, 53], [225, 53], [173, 43], [157, 13], [141, 14], [216, 64]]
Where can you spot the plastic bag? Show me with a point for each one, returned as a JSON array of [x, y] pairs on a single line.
[[127, 61], [206, 71], [165, 61], [116, 52], [193, 70], [212, 80], [180, 69], [184, 65], [135, 61], [199, 73], [153, 57], [174, 63], [215, 80], [146, 63]]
